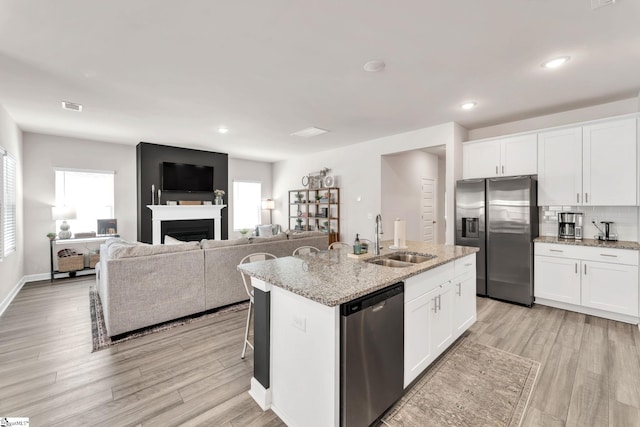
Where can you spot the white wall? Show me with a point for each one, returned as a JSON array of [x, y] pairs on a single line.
[[12, 267], [247, 170], [43, 153], [358, 171], [402, 175]]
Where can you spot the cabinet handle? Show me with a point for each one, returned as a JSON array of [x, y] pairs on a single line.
[[609, 255], [578, 197], [459, 289], [468, 265], [576, 268], [585, 269], [439, 302], [503, 169], [435, 305], [496, 169], [586, 197], [555, 250]]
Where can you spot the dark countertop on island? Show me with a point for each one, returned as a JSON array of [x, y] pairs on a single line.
[[332, 277], [621, 244]]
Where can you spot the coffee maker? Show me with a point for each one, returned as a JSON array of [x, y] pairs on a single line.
[[570, 225]]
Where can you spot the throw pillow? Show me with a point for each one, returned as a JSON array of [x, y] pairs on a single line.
[[210, 244], [265, 230], [168, 240]]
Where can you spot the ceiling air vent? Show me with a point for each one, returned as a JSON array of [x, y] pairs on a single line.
[[309, 132], [72, 106]]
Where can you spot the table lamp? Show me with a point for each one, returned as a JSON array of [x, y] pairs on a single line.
[[63, 213], [269, 204]]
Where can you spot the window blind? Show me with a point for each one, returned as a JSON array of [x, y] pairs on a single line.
[[9, 219]]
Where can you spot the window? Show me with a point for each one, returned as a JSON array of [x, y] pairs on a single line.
[[246, 204], [8, 205], [89, 192]]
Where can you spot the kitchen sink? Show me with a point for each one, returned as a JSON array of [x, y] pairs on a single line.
[[401, 259], [390, 263], [410, 258]]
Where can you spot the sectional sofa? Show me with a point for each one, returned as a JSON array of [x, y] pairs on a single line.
[[142, 285]]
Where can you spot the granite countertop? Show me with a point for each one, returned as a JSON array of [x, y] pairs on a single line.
[[332, 277], [621, 244]]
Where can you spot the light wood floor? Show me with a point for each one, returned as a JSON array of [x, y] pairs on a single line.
[[193, 375]]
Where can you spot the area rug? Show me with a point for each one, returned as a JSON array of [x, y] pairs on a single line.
[[102, 340], [470, 385]]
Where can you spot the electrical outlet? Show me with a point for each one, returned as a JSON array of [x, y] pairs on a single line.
[[300, 323]]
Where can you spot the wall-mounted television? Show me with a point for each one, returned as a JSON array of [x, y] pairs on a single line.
[[187, 178]]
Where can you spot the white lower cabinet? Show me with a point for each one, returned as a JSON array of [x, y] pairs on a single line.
[[464, 295], [438, 309], [557, 279], [597, 281], [610, 287]]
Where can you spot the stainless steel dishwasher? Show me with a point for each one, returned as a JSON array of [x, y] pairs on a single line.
[[371, 355]]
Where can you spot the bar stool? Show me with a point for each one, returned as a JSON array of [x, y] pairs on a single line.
[[339, 245], [305, 250], [246, 280]]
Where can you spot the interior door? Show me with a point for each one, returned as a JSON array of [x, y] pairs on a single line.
[[427, 211]]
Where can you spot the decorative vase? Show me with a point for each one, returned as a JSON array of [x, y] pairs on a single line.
[[219, 201]]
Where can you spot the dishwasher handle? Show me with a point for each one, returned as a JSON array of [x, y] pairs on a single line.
[[376, 299]]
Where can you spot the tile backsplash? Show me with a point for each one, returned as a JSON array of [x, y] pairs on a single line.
[[625, 220]]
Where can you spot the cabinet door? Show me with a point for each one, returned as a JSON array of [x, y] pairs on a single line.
[[417, 336], [609, 163], [480, 159], [557, 279], [560, 167], [464, 304], [610, 287], [519, 155], [442, 318]]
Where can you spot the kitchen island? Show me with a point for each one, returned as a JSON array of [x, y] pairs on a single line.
[[297, 321]]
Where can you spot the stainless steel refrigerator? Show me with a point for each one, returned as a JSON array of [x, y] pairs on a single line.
[[500, 217]]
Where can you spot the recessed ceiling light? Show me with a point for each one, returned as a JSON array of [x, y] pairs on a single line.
[[223, 129], [468, 105], [309, 132], [374, 66], [71, 106], [556, 62]]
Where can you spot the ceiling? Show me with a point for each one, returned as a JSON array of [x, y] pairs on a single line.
[[172, 72]]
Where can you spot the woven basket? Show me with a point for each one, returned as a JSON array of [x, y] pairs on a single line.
[[93, 260], [71, 263]]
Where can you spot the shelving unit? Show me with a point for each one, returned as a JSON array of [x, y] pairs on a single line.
[[71, 242], [316, 209]]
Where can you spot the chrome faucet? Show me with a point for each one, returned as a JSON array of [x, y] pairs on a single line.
[[376, 241]]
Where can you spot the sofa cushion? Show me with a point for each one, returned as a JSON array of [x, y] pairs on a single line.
[[209, 244], [281, 236], [127, 250], [302, 234]]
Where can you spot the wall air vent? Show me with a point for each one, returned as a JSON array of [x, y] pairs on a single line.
[[309, 132], [71, 106]]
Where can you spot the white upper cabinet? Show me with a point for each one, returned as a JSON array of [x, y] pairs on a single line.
[[609, 163], [560, 167], [594, 165], [509, 156]]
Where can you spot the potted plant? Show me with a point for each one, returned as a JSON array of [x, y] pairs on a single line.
[[244, 231], [51, 236]]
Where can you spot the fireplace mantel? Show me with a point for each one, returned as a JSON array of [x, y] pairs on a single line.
[[172, 213]]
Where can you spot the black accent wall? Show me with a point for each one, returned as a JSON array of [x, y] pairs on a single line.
[[149, 158]]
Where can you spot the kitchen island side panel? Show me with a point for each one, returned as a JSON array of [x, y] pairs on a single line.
[[305, 360]]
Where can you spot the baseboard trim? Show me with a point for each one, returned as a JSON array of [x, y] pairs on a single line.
[[5, 304], [590, 311], [37, 277]]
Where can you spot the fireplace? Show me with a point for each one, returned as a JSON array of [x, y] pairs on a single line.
[[209, 214], [188, 230]]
